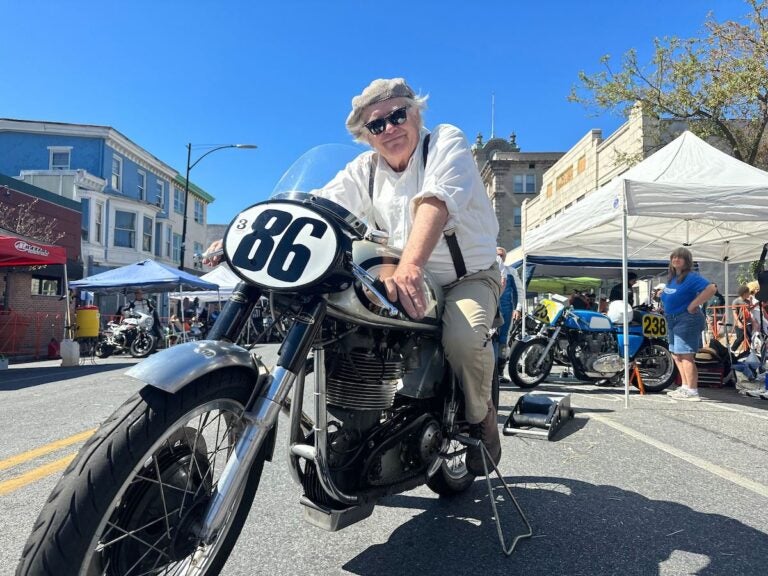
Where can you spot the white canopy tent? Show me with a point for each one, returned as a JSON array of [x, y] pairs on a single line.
[[686, 194], [222, 276]]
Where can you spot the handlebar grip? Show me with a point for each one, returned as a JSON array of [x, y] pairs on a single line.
[[382, 288]]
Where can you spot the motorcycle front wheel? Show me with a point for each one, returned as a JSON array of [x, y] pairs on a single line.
[[523, 358], [142, 345], [131, 500], [656, 366]]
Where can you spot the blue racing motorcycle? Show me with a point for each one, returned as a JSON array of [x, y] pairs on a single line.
[[593, 346]]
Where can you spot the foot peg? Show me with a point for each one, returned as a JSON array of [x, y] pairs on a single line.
[[539, 414]]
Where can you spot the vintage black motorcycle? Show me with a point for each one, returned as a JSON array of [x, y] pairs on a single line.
[[166, 483], [132, 334]]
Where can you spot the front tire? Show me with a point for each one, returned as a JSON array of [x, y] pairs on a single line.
[[523, 358], [142, 345], [145, 478]]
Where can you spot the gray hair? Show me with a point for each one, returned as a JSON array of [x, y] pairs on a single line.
[[379, 91]]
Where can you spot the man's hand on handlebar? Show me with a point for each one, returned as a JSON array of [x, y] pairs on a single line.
[[406, 285], [214, 253]]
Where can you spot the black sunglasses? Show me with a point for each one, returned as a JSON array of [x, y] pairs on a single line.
[[396, 117]]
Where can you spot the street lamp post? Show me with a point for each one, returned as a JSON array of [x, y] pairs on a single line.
[[191, 165]]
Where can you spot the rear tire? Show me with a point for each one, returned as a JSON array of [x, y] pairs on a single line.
[[146, 475], [103, 350], [523, 357], [656, 366], [453, 477]]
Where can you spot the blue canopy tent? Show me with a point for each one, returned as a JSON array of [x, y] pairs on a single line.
[[148, 275]]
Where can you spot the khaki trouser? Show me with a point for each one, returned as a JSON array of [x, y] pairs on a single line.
[[470, 310]]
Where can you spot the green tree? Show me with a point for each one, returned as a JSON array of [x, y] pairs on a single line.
[[718, 83]]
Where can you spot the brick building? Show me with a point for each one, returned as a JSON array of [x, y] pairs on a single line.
[[31, 309], [510, 177]]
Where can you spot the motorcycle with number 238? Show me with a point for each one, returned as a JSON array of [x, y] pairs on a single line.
[[166, 483], [593, 345]]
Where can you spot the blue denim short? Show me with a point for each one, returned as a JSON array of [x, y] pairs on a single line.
[[684, 331]]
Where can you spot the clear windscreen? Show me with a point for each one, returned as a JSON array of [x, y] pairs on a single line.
[[316, 167]]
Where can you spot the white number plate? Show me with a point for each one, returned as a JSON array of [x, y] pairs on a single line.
[[280, 245]]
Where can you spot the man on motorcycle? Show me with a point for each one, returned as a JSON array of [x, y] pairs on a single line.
[[425, 191], [144, 306]]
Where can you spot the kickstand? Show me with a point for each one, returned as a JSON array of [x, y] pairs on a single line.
[[469, 441]]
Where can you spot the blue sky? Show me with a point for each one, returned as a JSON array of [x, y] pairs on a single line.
[[281, 74]]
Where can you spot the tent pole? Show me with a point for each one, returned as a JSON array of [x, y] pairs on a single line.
[[625, 285], [68, 313], [524, 223]]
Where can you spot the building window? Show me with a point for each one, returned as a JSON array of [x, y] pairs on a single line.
[[146, 237], [549, 190], [59, 157], [581, 165], [178, 201], [168, 242], [98, 220], [117, 173], [176, 248], [141, 186], [45, 286], [198, 260], [85, 223], [125, 229], [564, 177], [524, 184], [198, 211], [517, 218], [160, 194]]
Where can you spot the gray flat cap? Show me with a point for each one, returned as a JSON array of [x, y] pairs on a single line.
[[377, 91]]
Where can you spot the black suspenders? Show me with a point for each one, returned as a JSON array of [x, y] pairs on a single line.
[[449, 234]]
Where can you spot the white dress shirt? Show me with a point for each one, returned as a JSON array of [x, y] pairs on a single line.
[[450, 175]]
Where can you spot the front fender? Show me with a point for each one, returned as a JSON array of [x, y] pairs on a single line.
[[173, 368]]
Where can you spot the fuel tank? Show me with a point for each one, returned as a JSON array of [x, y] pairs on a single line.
[[358, 304]]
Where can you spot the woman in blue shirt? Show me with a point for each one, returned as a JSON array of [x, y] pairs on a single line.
[[682, 298]]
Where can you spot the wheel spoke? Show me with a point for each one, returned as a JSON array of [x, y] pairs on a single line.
[[162, 498]]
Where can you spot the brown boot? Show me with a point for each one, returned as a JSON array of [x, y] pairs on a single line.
[[487, 432]]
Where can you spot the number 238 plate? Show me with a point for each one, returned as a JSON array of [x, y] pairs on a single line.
[[654, 326], [280, 245]]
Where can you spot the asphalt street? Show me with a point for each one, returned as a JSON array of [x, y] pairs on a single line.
[[661, 487]]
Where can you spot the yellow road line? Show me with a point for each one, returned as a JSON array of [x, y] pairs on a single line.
[[43, 450], [35, 475]]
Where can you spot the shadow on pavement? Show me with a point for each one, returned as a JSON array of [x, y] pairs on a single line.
[[579, 529], [21, 378]]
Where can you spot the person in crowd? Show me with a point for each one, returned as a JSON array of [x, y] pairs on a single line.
[[580, 301], [714, 309], [617, 290], [682, 298], [145, 306], [139, 303], [759, 320], [424, 189], [743, 322], [654, 304], [510, 306]]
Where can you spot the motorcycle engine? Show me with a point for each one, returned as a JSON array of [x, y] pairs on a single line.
[[375, 440], [596, 353]]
